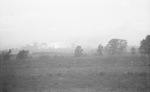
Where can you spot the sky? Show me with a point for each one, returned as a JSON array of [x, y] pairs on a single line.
[[83, 22]]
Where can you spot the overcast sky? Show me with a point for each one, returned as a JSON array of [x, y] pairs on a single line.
[[79, 21]]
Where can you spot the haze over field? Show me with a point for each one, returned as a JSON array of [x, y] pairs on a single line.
[[85, 22]]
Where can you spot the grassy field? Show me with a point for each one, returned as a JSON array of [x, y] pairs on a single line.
[[70, 74]]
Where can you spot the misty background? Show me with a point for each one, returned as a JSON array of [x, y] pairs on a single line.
[[65, 22]]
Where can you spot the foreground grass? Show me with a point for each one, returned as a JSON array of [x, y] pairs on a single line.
[[97, 82], [95, 74]]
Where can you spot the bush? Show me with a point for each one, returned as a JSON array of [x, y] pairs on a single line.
[[5, 55], [78, 51], [22, 54]]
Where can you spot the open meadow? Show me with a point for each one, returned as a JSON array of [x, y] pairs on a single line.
[[74, 45], [69, 74]]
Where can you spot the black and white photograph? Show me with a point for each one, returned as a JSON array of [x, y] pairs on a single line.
[[74, 45]]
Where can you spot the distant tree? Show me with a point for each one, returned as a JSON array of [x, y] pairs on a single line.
[[100, 50], [116, 46], [5, 55], [78, 51], [22, 54], [145, 46], [133, 50]]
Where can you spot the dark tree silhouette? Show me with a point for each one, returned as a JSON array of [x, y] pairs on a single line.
[[22, 54], [78, 51], [145, 46], [133, 50], [100, 50], [116, 46]]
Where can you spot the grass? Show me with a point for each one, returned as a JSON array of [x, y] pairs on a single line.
[[69, 74]]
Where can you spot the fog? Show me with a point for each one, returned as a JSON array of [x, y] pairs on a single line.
[[85, 22]]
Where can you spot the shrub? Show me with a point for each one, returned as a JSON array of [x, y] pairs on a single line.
[[78, 51], [5, 55], [22, 54]]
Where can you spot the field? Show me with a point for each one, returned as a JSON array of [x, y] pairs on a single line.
[[69, 74]]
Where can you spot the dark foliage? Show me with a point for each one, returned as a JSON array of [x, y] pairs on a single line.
[[145, 45], [78, 51], [22, 54], [116, 46], [6, 55]]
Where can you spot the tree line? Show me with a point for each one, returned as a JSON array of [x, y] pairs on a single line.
[[117, 47], [22, 54], [114, 47]]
